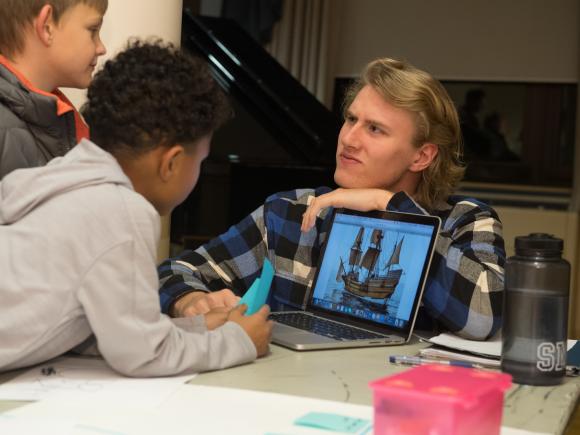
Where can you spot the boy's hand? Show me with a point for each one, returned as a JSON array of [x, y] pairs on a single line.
[[354, 199], [199, 302], [257, 326], [216, 317]]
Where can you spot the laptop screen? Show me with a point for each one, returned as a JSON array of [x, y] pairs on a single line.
[[374, 265]]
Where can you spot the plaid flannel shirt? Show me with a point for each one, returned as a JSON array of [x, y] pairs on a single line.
[[463, 289]]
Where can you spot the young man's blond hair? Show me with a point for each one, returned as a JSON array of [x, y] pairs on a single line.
[[436, 121], [19, 14]]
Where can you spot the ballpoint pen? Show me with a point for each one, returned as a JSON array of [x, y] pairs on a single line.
[[415, 361]]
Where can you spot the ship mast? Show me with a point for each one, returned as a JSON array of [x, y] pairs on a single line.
[[371, 256], [395, 256], [340, 272], [356, 251]]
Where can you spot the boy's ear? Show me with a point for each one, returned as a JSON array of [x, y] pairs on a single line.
[[44, 25], [170, 161], [424, 157]]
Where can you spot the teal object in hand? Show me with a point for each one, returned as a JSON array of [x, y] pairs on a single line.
[[257, 294]]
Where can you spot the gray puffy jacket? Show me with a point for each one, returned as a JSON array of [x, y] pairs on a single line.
[[31, 132]]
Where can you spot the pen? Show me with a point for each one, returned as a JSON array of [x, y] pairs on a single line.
[[416, 361]]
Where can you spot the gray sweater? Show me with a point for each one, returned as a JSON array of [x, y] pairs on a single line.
[[77, 259], [31, 132]]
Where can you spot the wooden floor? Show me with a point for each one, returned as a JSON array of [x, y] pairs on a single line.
[[573, 427]]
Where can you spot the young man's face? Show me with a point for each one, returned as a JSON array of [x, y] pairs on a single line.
[[375, 147], [76, 45]]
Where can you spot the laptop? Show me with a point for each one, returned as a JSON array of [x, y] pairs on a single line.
[[368, 284]]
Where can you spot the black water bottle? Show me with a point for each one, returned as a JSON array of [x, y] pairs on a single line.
[[535, 311]]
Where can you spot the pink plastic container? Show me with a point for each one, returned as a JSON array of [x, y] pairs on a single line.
[[440, 400]]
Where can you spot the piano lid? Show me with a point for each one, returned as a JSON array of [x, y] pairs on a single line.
[[302, 125]]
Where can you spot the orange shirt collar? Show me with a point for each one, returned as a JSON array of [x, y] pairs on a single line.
[[63, 105]]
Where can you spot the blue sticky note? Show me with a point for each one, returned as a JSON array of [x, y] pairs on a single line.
[[332, 422], [257, 294]]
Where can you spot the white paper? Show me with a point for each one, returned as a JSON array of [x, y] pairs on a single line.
[[80, 378], [435, 352], [490, 347], [196, 409], [46, 426], [200, 409]]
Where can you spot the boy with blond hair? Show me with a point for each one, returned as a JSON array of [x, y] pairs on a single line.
[[44, 45]]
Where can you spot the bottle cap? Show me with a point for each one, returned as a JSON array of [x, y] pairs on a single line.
[[539, 244]]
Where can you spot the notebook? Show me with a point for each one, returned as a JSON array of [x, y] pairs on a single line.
[[368, 284]]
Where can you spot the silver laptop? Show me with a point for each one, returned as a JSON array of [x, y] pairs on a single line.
[[368, 284]]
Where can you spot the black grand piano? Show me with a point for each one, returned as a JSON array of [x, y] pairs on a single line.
[[281, 137]]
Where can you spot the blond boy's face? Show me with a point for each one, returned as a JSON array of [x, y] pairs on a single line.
[[76, 45]]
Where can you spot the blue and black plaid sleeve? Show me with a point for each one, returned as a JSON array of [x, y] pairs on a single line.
[[234, 259], [465, 282]]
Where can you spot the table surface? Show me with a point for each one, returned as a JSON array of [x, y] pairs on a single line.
[[343, 375]]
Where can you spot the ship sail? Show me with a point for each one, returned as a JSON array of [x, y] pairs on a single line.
[[376, 237], [396, 254], [340, 272], [356, 251], [372, 254], [370, 258]]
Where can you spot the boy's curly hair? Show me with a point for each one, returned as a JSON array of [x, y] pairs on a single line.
[[153, 94]]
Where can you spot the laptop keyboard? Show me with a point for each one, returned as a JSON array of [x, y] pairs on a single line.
[[324, 327]]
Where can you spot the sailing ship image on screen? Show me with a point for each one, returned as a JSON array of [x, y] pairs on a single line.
[[371, 273], [372, 268]]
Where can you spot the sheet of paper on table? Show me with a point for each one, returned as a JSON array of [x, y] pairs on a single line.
[[201, 409], [491, 347], [81, 377]]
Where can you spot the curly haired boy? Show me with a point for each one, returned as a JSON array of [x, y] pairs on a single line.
[[80, 233]]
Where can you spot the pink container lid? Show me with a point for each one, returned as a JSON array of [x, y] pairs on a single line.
[[443, 382]]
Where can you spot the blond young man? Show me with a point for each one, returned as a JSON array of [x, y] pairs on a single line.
[[44, 45], [399, 148]]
